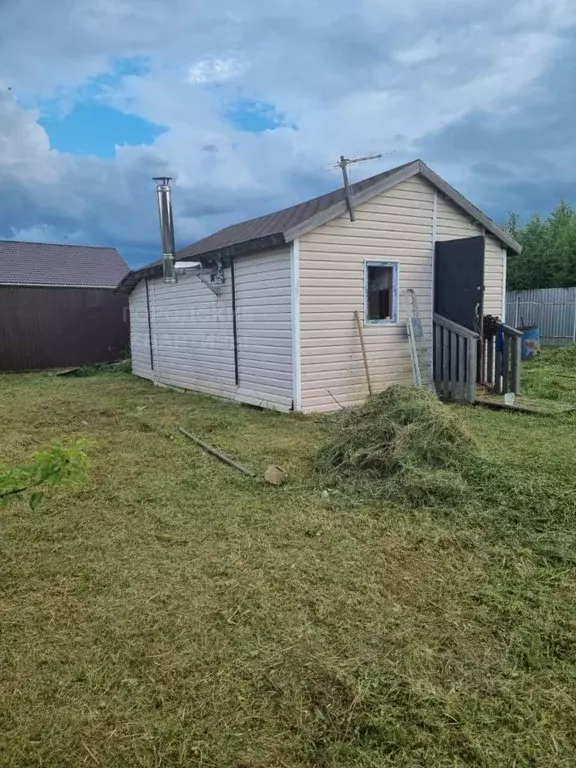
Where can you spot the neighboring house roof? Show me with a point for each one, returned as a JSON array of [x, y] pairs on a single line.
[[70, 266], [284, 226]]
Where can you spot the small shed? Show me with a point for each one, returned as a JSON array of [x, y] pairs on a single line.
[[266, 312], [58, 307]]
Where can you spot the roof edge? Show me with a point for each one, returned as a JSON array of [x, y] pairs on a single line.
[[413, 169], [469, 207], [131, 280], [71, 286], [361, 197]]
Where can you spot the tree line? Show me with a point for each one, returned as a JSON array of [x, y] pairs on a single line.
[[548, 258]]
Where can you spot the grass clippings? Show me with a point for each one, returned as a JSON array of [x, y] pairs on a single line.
[[100, 369], [406, 443], [551, 375], [407, 447], [171, 612]]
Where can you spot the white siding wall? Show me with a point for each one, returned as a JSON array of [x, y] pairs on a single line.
[[263, 311], [193, 339], [394, 226], [139, 332], [397, 225], [192, 335], [453, 223]]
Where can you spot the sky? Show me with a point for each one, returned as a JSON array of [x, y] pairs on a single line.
[[248, 105]]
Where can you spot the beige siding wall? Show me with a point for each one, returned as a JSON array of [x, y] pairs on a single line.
[[394, 226], [453, 223], [139, 333], [397, 225], [263, 310], [193, 339]]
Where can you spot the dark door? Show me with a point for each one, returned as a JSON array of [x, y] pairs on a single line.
[[459, 281]]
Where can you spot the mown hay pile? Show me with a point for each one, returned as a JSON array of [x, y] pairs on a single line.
[[562, 357], [403, 443], [552, 374]]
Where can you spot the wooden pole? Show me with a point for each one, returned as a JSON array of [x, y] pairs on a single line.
[[472, 370], [361, 334], [516, 363], [218, 454], [347, 191]]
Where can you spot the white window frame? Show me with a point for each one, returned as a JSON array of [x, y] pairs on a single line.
[[395, 266]]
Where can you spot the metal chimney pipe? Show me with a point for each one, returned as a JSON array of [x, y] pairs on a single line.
[[166, 227]]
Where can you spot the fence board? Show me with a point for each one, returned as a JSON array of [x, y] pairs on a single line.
[[461, 368], [445, 363]]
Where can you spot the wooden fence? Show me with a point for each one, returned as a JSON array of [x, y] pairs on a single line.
[[455, 360], [459, 367]]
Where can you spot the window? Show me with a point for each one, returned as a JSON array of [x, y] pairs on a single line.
[[381, 301]]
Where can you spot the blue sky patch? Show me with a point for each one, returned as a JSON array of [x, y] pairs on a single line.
[[96, 129], [83, 124], [119, 68], [254, 116]]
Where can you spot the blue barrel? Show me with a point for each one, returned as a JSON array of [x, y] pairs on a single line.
[[530, 341]]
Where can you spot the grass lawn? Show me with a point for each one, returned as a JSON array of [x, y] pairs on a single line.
[[172, 612]]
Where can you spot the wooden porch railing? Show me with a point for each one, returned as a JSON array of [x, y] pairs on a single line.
[[502, 360], [455, 360]]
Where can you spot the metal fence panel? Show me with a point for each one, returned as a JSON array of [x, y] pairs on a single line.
[[552, 309], [60, 327]]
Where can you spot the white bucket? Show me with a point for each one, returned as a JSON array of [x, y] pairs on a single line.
[[509, 398]]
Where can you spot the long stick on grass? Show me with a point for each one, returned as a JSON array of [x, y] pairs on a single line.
[[217, 453], [361, 334]]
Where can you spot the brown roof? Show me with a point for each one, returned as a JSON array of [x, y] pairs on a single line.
[[277, 222], [74, 266], [262, 232], [278, 228]]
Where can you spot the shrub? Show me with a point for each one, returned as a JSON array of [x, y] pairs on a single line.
[[53, 465]]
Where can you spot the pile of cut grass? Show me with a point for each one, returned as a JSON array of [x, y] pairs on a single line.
[[564, 357], [551, 375], [406, 445]]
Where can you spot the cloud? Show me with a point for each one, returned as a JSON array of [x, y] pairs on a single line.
[[480, 89], [214, 71], [522, 158]]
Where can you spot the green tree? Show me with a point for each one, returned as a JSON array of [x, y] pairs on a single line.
[[548, 258], [50, 466]]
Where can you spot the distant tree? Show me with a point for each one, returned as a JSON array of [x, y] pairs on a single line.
[[548, 257]]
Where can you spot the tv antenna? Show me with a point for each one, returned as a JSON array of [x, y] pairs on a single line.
[[343, 164]]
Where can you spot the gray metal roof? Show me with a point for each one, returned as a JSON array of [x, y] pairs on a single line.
[[71, 266], [281, 227]]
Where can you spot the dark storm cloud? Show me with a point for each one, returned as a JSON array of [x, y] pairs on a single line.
[[523, 157], [481, 90]]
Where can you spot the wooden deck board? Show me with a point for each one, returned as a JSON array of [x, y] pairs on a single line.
[[524, 404]]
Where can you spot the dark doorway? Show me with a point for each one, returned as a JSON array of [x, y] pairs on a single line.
[[459, 281]]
